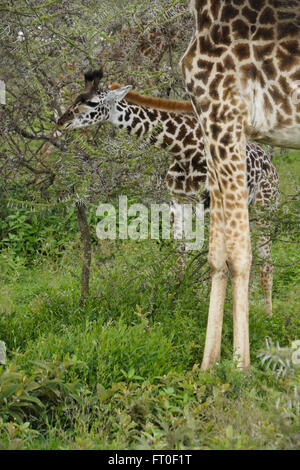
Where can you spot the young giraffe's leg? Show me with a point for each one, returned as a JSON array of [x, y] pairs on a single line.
[[266, 270], [264, 246], [267, 197], [176, 217], [252, 272]]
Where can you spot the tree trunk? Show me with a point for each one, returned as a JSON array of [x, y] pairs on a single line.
[[87, 249]]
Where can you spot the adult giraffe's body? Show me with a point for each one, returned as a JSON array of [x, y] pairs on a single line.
[[242, 70]]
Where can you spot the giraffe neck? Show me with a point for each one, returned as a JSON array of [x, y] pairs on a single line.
[[160, 127], [179, 133], [135, 119]]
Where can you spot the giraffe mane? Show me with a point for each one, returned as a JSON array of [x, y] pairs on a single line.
[[156, 103]]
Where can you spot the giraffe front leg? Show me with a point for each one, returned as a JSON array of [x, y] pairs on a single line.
[[217, 258], [219, 275], [239, 260], [230, 244], [222, 119], [240, 285]]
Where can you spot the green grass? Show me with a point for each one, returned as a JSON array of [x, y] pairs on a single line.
[[123, 370]]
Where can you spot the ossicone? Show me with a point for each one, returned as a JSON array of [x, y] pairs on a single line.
[[93, 74]]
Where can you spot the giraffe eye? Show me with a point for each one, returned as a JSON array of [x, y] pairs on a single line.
[[92, 104]]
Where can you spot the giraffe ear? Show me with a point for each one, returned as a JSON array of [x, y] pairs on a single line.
[[114, 96]]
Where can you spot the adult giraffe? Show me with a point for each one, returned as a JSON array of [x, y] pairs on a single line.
[[242, 71]]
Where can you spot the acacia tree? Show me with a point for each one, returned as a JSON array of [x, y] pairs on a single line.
[[46, 46]]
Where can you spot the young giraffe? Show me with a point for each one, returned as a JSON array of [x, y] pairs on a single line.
[[242, 70], [181, 134]]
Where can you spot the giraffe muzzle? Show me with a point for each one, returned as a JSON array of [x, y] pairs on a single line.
[[63, 122]]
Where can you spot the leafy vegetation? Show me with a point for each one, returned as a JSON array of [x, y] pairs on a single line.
[[121, 370]]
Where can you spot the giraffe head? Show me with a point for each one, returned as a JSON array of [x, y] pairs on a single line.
[[92, 106]]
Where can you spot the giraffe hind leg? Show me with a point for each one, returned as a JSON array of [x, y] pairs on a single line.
[[268, 197], [181, 261], [176, 217], [266, 271]]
